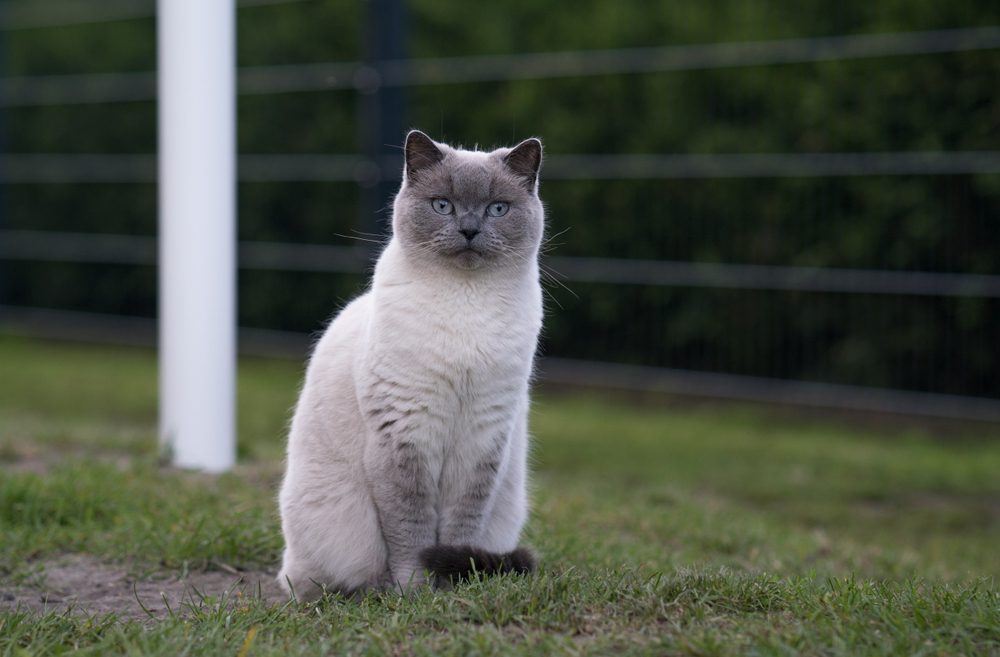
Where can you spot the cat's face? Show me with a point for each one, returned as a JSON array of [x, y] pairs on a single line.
[[466, 208]]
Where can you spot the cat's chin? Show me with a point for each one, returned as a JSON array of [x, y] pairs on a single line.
[[468, 259]]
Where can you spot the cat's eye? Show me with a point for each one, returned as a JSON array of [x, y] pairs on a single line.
[[441, 205], [497, 209]]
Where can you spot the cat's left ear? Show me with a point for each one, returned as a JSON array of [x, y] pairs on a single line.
[[525, 159]]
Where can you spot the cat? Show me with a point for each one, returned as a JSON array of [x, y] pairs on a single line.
[[408, 448]]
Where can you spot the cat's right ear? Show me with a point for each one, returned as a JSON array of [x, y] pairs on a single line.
[[420, 153]]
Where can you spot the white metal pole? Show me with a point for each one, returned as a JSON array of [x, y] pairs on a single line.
[[197, 231]]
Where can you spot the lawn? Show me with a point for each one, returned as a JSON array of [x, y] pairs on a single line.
[[662, 529]]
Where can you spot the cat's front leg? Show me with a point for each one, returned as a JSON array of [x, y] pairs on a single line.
[[405, 494], [469, 493]]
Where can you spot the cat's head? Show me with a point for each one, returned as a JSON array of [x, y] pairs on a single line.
[[469, 209]]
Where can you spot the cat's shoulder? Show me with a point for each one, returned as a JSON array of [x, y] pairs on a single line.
[[347, 326], [355, 312]]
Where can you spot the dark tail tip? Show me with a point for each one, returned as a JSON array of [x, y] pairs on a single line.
[[463, 562]]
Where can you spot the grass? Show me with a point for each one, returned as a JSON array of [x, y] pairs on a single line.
[[702, 530]]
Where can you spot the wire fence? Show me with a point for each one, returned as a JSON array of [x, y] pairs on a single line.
[[654, 287]]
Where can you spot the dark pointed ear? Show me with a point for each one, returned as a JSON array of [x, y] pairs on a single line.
[[420, 152], [525, 160]]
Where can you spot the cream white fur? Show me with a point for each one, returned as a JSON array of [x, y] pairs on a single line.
[[447, 352]]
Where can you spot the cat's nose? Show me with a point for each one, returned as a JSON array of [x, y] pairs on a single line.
[[468, 225]]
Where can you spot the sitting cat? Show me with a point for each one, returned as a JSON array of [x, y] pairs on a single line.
[[408, 448]]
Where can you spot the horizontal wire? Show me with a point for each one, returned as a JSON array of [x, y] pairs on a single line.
[[141, 250], [141, 331], [51, 323], [118, 87], [763, 389], [769, 277], [139, 168]]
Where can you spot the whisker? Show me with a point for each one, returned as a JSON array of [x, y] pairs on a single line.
[[548, 239], [551, 296], [380, 242], [552, 275]]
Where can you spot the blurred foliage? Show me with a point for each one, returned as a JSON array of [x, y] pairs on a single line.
[[947, 101]]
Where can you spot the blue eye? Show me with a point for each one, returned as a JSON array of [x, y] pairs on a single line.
[[497, 209], [441, 205]]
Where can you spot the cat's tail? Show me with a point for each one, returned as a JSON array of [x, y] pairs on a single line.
[[464, 562]]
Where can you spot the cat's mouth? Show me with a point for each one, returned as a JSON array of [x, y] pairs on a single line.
[[469, 257]]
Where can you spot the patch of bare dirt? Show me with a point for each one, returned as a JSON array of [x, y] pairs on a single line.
[[87, 586], [35, 465]]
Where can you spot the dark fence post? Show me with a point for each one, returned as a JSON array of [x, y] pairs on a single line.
[[4, 267], [381, 112]]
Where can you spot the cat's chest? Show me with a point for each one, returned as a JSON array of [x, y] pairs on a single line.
[[463, 360], [462, 327]]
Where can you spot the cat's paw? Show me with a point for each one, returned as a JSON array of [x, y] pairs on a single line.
[[465, 562]]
